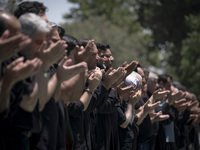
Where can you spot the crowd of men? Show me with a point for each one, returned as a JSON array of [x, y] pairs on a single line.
[[58, 92]]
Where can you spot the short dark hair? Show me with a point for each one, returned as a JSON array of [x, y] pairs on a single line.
[[29, 7], [163, 78], [61, 31], [71, 42], [83, 42], [107, 46], [101, 46]]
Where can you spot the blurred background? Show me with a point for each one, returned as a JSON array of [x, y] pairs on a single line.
[[163, 35]]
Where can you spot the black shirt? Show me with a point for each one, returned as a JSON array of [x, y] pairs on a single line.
[[126, 135], [81, 122], [107, 123]]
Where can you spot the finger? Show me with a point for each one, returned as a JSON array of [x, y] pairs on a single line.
[[163, 117], [163, 92], [122, 84], [16, 62], [109, 71], [23, 44], [61, 63], [103, 71], [147, 103], [43, 46], [130, 87], [67, 62], [155, 104], [92, 76], [124, 64]]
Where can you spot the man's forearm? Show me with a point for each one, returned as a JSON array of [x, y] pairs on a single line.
[[141, 114], [129, 115]]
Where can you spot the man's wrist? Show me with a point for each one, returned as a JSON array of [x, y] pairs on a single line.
[[89, 91]]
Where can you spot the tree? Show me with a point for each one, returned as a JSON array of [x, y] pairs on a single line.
[[9, 5], [175, 28], [119, 12], [124, 46]]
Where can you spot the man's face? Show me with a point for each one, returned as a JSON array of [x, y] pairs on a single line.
[[93, 59], [54, 36], [140, 71], [152, 85], [168, 84], [108, 58], [101, 56], [36, 43]]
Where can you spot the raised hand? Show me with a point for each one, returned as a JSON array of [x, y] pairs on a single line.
[[19, 70], [52, 54], [130, 67], [159, 116], [118, 82], [180, 104], [125, 92], [112, 76], [149, 106], [94, 79], [82, 54], [11, 45], [159, 94], [172, 97], [134, 97], [65, 72]]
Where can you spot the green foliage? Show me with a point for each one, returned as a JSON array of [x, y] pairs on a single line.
[[175, 26], [124, 46], [9, 5], [119, 12], [190, 62]]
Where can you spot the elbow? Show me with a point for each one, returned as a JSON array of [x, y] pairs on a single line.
[[27, 107]]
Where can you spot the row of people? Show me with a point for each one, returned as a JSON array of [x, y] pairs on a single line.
[[60, 92]]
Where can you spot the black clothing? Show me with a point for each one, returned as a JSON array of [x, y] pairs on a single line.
[[46, 139], [145, 128], [81, 122], [53, 133], [62, 123], [126, 135], [107, 124], [19, 124]]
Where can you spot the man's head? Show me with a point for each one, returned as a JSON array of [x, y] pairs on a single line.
[[31, 7], [36, 28], [105, 56], [101, 50], [71, 45], [108, 57], [152, 82], [165, 80], [9, 22]]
